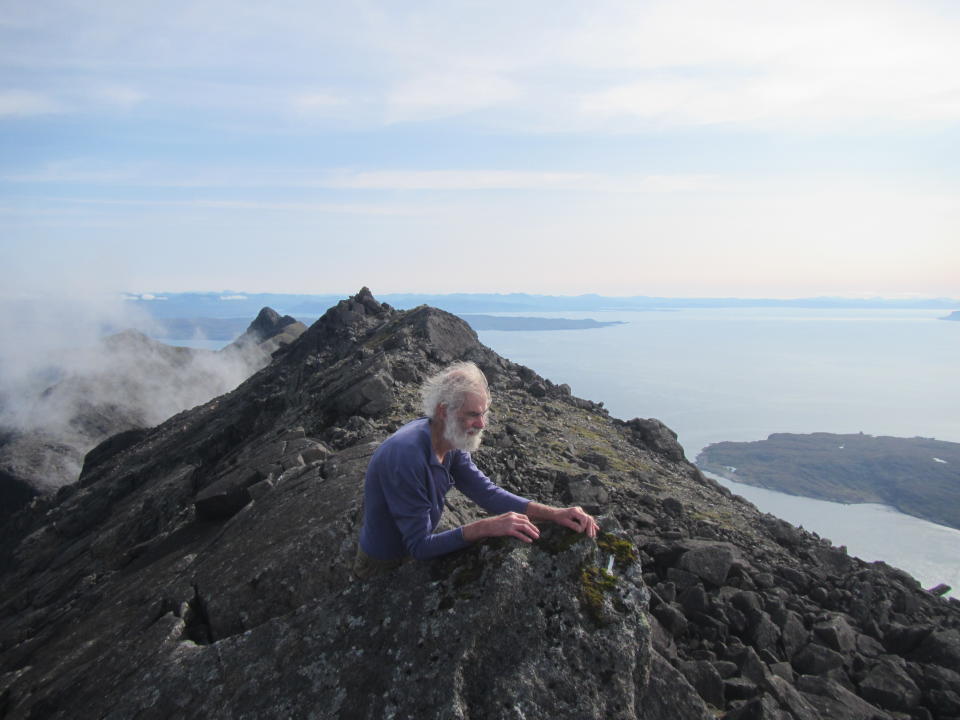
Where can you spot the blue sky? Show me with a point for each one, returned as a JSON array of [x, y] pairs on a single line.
[[683, 148]]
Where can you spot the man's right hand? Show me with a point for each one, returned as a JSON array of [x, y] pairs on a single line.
[[509, 524]]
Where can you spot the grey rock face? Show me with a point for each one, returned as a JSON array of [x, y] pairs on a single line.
[[654, 434]]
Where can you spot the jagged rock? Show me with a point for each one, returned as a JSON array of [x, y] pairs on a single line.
[[670, 696], [709, 562], [587, 491], [671, 618], [836, 634], [654, 434], [816, 659], [902, 640], [790, 699], [739, 688], [941, 647], [268, 324], [888, 685], [782, 531], [761, 708], [706, 680], [833, 701]]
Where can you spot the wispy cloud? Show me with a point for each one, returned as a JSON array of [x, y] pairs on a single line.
[[546, 64], [93, 174], [454, 180], [21, 103], [444, 94]]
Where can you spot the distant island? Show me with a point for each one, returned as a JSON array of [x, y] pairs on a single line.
[[496, 322], [917, 476], [955, 315]]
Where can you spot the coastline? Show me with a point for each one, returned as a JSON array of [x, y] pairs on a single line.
[[870, 531]]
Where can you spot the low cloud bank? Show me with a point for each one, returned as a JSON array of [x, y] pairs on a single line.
[[66, 385]]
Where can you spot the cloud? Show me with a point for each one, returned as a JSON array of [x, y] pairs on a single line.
[[118, 96], [21, 103], [529, 67], [438, 95], [318, 102], [467, 180]]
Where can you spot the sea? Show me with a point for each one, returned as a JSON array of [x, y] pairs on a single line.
[[715, 374]]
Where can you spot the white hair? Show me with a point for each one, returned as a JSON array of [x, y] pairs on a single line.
[[450, 387]]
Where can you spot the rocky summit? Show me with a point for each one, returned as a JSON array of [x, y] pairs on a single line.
[[201, 569]]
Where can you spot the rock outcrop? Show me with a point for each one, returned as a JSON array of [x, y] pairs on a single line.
[[201, 569], [128, 381]]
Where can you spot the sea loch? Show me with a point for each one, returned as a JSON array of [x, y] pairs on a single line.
[[741, 374]]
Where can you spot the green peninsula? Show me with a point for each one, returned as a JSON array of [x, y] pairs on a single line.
[[917, 476]]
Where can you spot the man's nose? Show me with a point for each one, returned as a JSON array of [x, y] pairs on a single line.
[[480, 422]]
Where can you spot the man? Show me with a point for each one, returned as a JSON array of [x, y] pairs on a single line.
[[412, 470]]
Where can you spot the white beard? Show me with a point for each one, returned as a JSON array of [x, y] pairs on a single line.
[[461, 439]]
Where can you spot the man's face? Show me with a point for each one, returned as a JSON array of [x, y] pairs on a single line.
[[464, 428]]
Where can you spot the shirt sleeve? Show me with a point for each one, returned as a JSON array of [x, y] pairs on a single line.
[[409, 503], [469, 480]]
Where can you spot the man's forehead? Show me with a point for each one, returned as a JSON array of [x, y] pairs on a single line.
[[475, 402]]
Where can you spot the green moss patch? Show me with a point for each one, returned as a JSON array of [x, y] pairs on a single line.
[[594, 584], [623, 551], [555, 540]]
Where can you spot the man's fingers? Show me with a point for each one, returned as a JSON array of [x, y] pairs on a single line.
[[577, 519], [518, 526]]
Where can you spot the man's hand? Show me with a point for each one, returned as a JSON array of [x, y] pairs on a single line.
[[574, 518], [509, 524]]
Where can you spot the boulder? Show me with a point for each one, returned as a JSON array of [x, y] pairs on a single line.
[[710, 563], [888, 685]]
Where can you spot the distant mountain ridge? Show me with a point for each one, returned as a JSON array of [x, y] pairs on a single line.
[[237, 304], [917, 476]]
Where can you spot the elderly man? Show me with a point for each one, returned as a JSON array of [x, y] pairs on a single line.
[[412, 470]]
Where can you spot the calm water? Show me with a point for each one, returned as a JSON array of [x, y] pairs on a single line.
[[872, 532], [721, 374]]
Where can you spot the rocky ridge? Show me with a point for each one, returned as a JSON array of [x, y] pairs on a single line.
[[129, 381], [201, 569]]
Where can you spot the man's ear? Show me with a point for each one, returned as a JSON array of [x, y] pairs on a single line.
[[441, 412]]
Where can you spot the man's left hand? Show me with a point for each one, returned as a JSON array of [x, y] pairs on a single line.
[[577, 519]]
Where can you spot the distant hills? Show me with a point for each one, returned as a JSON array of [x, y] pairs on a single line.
[[224, 315], [918, 476], [230, 304]]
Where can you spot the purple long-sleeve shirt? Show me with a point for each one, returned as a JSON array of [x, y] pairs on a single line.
[[404, 496]]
